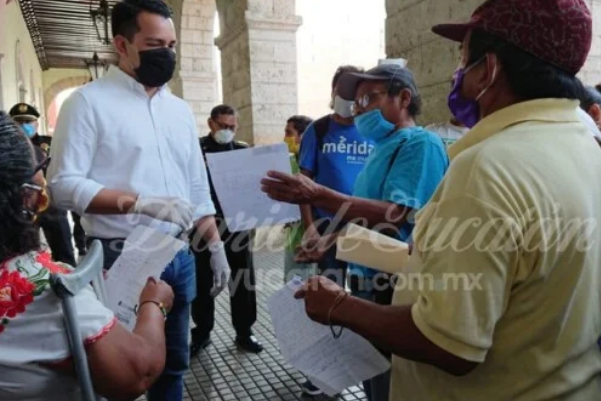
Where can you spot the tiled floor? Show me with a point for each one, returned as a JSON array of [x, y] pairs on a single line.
[[224, 373]]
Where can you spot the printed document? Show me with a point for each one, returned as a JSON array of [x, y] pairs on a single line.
[[145, 254], [332, 364], [237, 176]]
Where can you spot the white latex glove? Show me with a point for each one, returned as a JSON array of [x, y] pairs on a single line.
[[171, 210], [220, 267]]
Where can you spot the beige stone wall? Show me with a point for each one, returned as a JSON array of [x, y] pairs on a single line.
[[196, 78], [20, 71], [259, 66], [591, 73], [434, 59]]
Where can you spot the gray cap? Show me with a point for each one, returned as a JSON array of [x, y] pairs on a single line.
[[392, 73]]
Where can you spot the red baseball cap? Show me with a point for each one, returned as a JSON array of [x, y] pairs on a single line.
[[558, 32]]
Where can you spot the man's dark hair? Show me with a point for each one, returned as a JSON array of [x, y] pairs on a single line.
[[343, 70], [300, 123], [529, 77], [18, 233], [124, 17], [590, 96], [415, 106], [222, 110]]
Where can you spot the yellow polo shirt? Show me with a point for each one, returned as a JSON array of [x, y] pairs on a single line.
[[509, 253]]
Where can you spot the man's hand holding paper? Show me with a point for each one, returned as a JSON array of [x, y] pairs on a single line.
[[168, 209]]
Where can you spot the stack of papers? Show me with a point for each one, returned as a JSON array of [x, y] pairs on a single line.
[[331, 364]]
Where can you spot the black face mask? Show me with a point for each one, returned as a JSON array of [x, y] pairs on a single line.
[[156, 67]]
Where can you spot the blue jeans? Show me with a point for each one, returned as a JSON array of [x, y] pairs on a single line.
[[180, 274]]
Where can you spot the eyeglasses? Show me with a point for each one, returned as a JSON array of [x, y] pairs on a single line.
[[43, 200], [368, 98]]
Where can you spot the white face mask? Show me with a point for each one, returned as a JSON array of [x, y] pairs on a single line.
[[224, 136], [343, 107]]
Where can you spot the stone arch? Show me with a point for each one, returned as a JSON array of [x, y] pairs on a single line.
[[64, 84], [53, 91], [257, 44]]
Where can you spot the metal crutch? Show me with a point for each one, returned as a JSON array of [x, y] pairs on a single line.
[[66, 286]]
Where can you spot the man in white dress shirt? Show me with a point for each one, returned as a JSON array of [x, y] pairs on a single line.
[[126, 154]]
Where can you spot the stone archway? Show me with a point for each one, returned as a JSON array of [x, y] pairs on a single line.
[[53, 91], [258, 62], [64, 84]]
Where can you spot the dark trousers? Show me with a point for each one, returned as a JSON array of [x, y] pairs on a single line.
[[57, 231], [243, 297], [79, 234]]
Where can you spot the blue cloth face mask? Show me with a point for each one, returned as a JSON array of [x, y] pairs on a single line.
[[373, 126], [29, 130]]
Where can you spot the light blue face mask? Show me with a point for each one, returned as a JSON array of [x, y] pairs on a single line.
[[28, 129], [373, 126]]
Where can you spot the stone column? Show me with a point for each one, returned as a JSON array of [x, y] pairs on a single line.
[[432, 58], [196, 77], [591, 73], [259, 68]]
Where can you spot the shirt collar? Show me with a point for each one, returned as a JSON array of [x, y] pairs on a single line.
[[543, 110], [117, 75]]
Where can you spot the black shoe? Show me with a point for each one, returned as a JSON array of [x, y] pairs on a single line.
[[310, 389], [249, 344], [199, 345]]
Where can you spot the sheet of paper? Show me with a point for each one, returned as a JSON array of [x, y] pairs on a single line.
[[145, 254], [237, 176], [369, 248], [336, 364]]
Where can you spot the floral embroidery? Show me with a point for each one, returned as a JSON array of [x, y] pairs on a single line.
[[45, 260], [16, 292], [19, 286]]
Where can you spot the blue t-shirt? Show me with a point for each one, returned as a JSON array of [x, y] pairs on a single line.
[[339, 162], [420, 162]]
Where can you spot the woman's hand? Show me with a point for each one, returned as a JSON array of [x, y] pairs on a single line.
[[158, 292]]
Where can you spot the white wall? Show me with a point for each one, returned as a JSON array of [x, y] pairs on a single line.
[[12, 28], [335, 32]]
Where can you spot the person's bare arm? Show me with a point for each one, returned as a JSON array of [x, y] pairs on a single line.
[[392, 329], [124, 365], [306, 212], [207, 228], [110, 201], [301, 190], [372, 212]]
